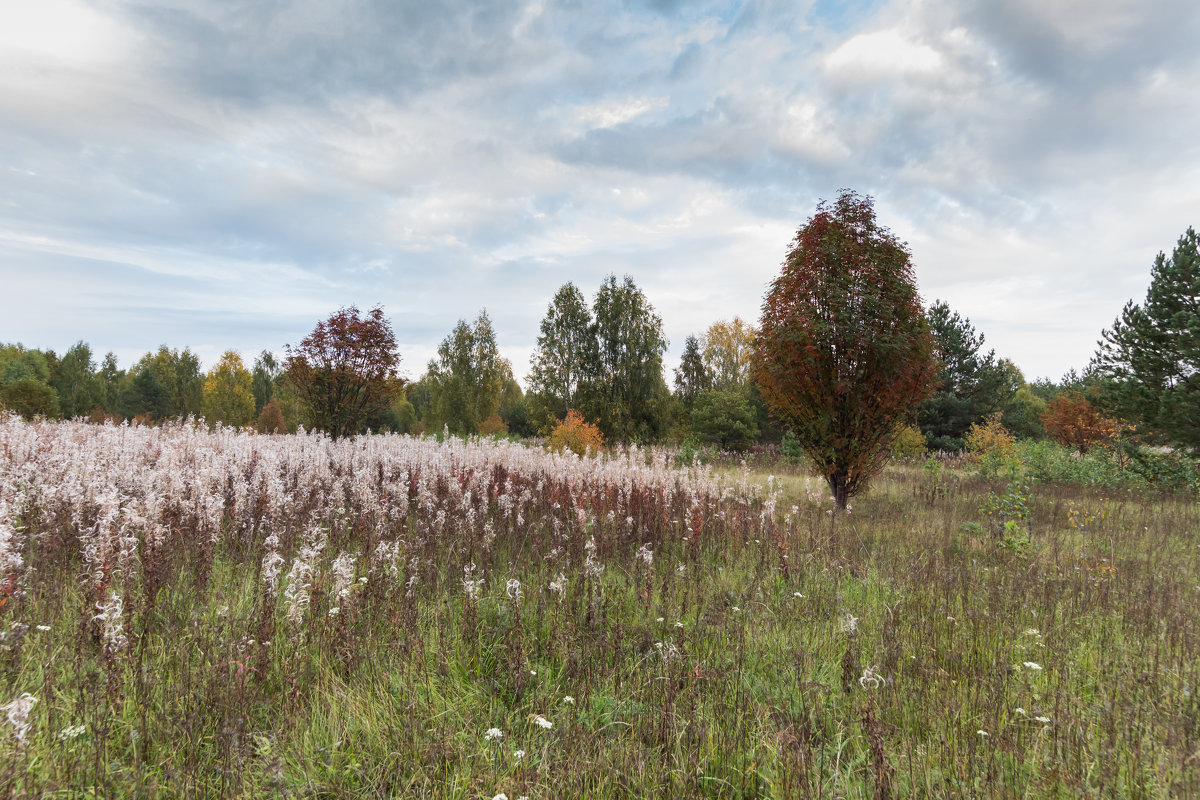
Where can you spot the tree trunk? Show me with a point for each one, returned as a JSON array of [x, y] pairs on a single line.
[[838, 485]]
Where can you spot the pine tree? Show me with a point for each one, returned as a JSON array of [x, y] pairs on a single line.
[[691, 378], [1149, 360]]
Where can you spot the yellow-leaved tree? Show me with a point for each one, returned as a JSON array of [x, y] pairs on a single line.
[[229, 392]]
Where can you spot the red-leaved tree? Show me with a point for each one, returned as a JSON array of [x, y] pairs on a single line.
[[1072, 421], [844, 354], [345, 370]]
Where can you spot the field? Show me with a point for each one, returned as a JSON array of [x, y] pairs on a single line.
[[196, 614]]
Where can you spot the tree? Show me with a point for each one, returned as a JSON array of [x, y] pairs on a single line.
[[178, 373], [576, 434], [972, 384], [345, 370], [229, 392], [266, 375], [724, 418], [1149, 361], [565, 354], [1072, 421], [627, 392], [30, 398], [728, 352], [145, 395], [75, 381], [691, 377], [468, 376], [270, 419], [844, 353]]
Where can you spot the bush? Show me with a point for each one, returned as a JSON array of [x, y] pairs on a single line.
[[991, 443], [494, 425], [909, 444], [1074, 422], [576, 434], [270, 419]]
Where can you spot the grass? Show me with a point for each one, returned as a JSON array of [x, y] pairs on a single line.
[[900, 650]]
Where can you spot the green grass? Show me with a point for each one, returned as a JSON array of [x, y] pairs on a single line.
[[758, 692]]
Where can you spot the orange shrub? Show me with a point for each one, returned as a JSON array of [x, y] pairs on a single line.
[[576, 434], [1074, 422], [990, 438], [494, 425]]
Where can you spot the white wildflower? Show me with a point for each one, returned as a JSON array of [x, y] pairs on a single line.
[[542, 722], [1042, 719], [71, 732], [519, 754], [1032, 665], [493, 734], [645, 554], [559, 586], [43, 628], [849, 624], [1021, 711], [513, 589], [271, 563], [501, 796], [569, 700], [871, 677], [18, 714], [472, 586], [982, 732]]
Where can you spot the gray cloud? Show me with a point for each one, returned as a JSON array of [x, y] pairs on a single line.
[[268, 162]]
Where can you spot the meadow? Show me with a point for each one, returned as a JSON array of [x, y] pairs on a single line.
[[188, 613]]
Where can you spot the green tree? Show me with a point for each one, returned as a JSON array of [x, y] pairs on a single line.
[[18, 362], [345, 370], [627, 392], [76, 383], [111, 381], [564, 358], [30, 398], [229, 392], [144, 394], [178, 373], [725, 418], [691, 376], [1149, 361], [468, 376], [844, 353], [265, 378], [972, 384]]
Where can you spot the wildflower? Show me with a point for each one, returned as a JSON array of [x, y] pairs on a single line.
[[871, 677], [501, 796], [735, 609], [660, 619], [569, 700], [513, 589], [797, 594], [471, 586], [678, 624], [982, 732], [519, 754], [1042, 719], [849, 624], [43, 627], [1032, 665], [644, 553], [559, 586], [542, 722], [110, 618], [18, 714], [1021, 711], [493, 734]]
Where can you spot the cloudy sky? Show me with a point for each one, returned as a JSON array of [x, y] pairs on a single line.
[[223, 174]]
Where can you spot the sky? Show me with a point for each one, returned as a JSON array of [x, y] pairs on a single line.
[[222, 175]]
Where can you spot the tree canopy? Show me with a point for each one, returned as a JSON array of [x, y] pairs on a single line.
[[844, 354], [1149, 361], [345, 370]]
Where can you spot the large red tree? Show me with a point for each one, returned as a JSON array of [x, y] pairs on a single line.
[[345, 370], [844, 354]]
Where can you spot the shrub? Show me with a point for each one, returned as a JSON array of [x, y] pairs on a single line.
[[270, 419], [1074, 422], [494, 425], [909, 444], [576, 434], [991, 443]]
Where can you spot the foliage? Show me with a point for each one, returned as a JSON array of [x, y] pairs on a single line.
[[576, 434], [494, 425], [468, 377], [844, 351], [989, 440], [564, 357], [909, 444], [30, 398], [177, 373], [1023, 414], [691, 376], [724, 418], [145, 396], [75, 382], [229, 392], [728, 353], [345, 370], [270, 419], [1072, 421], [627, 395], [1149, 361], [267, 374], [971, 384]]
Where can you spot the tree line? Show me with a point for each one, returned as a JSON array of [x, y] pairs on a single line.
[[604, 361]]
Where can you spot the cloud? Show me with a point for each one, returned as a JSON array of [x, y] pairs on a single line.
[[248, 167]]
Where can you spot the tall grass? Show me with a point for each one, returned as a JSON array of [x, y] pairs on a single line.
[[220, 614]]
